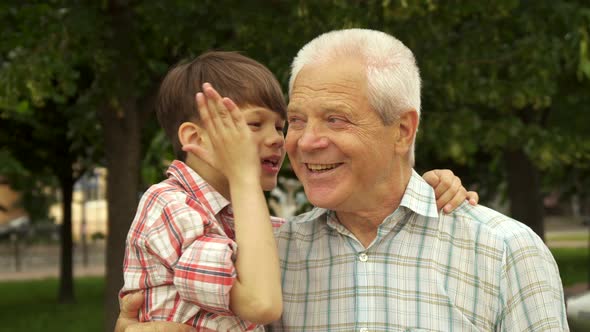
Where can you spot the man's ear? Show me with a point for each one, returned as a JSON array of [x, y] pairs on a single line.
[[407, 128], [190, 133]]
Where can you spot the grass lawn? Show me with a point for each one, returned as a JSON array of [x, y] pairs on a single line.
[[574, 236], [573, 264], [32, 306]]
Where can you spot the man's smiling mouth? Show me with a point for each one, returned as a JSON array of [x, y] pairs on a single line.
[[319, 168]]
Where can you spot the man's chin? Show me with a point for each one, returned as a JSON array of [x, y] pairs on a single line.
[[322, 198]]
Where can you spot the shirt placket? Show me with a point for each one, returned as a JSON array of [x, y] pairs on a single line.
[[364, 280]]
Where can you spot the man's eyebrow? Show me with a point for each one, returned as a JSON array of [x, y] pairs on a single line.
[[323, 108], [293, 109]]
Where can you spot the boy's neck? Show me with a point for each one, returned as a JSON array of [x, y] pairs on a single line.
[[213, 177]]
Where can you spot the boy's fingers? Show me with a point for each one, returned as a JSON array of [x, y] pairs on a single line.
[[234, 111], [214, 123], [448, 195], [216, 105], [431, 178], [204, 112], [473, 197], [457, 200], [214, 113], [445, 181]]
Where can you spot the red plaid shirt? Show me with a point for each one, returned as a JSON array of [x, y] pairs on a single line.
[[181, 250]]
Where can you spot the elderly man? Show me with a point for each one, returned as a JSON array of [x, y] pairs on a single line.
[[376, 254]]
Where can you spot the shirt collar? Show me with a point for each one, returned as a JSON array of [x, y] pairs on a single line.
[[419, 197], [196, 187]]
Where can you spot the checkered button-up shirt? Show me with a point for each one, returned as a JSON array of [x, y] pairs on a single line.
[[181, 250], [471, 270]]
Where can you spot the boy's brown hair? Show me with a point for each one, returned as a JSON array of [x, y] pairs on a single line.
[[244, 80]]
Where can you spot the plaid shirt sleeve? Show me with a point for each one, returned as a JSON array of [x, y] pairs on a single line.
[[533, 297], [202, 261]]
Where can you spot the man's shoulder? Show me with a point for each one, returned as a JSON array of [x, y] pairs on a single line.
[[482, 220]]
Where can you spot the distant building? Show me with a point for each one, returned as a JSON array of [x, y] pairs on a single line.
[[12, 216], [89, 206]]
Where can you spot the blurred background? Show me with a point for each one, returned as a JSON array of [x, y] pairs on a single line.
[[506, 89]]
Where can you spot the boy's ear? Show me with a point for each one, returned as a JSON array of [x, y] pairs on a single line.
[[190, 133]]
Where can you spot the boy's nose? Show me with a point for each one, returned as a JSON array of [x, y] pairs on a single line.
[[276, 140]]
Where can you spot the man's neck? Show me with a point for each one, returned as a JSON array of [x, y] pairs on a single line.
[[365, 222]]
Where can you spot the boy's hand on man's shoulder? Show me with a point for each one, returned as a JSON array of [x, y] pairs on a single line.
[[448, 190]]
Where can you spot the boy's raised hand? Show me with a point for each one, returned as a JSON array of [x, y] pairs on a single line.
[[228, 145]]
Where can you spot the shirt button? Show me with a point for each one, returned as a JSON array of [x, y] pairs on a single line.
[[363, 258], [364, 329]]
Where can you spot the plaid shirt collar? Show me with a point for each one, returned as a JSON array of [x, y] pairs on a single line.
[[196, 187], [419, 197]]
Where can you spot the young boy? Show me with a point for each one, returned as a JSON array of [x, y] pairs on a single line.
[[182, 248]]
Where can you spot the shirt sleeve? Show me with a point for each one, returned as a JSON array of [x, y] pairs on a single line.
[[205, 273], [202, 261], [531, 289]]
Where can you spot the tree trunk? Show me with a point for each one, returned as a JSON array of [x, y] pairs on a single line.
[[122, 156], [66, 275], [524, 191], [121, 125]]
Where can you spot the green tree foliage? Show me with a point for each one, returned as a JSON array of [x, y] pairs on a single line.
[[496, 79], [43, 113]]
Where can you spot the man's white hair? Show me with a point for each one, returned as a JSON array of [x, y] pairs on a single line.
[[393, 78]]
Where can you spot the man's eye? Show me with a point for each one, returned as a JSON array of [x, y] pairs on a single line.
[[254, 124], [334, 119]]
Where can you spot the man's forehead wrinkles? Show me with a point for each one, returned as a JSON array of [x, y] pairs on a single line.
[[323, 86], [303, 87]]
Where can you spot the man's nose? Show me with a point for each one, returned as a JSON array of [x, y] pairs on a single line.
[[312, 139]]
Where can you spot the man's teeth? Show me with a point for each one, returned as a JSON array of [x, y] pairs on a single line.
[[321, 167], [266, 161]]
